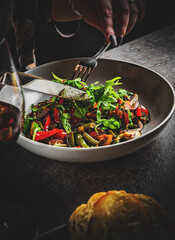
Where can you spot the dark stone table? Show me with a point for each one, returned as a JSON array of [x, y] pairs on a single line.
[[51, 190]]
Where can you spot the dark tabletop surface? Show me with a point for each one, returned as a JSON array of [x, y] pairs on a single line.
[[51, 190]]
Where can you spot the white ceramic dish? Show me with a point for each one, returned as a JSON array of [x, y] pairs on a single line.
[[154, 92]]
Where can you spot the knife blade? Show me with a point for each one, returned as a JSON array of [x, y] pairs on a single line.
[[56, 89]]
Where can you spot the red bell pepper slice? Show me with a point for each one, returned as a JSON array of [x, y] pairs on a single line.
[[95, 105], [139, 112], [56, 115], [119, 101], [95, 134], [61, 100], [143, 109], [61, 134], [47, 122], [54, 132]]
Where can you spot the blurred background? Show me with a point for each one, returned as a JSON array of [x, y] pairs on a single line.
[[159, 14]]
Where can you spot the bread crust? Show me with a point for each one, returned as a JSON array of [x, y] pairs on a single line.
[[118, 215]]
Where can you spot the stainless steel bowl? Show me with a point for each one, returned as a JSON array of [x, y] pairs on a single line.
[[154, 92]]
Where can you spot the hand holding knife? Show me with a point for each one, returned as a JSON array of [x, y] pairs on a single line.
[[38, 84]]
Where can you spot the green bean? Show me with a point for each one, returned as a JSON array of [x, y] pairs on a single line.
[[89, 126], [85, 127], [70, 139], [40, 124], [90, 139], [112, 133], [80, 141]]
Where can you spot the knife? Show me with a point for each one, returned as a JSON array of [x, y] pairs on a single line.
[[56, 89], [38, 84]]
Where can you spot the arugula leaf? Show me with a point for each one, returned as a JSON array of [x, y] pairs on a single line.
[[26, 125], [57, 79], [31, 118], [105, 96], [108, 106], [36, 128], [129, 116], [64, 118], [77, 83], [110, 83], [80, 110], [111, 123], [36, 109], [122, 92], [110, 99], [98, 115], [94, 92]]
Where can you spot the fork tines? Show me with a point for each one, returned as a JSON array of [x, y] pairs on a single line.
[[84, 68]]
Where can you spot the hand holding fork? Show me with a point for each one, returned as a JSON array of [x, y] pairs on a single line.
[[85, 67]]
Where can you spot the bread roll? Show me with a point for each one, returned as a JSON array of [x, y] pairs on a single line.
[[117, 215]]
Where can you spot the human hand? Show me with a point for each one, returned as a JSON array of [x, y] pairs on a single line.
[[112, 17]]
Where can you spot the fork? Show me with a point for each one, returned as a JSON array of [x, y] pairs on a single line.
[[85, 66]]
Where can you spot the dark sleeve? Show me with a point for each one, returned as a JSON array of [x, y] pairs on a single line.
[[64, 29], [6, 17]]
